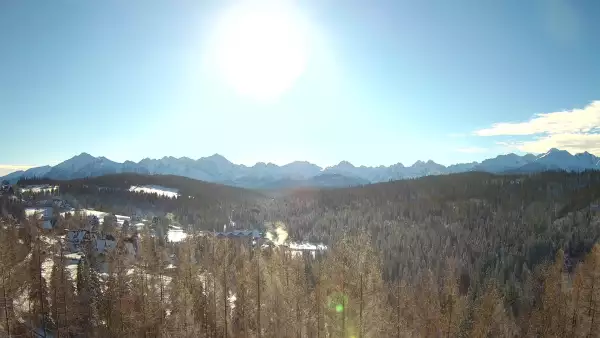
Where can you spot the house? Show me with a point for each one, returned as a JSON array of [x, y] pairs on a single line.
[[45, 214], [103, 245], [60, 203], [76, 238], [6, 188], [251, 234], [99, 243]]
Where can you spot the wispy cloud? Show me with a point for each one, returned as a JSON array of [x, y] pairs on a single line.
[[472, 150], [574, 130], [6, 169]]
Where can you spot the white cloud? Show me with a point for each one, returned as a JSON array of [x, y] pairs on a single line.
[[471, 150], [6, 169], [573, 130], [574, 143]]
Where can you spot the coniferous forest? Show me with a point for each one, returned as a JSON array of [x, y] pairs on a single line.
[[464, 255]]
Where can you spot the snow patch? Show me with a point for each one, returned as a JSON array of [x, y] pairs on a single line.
[[49, 240], [47, 265], [155, 189], [100, 214], [176, 235], [306, 246], [38, 212], [36, 189]]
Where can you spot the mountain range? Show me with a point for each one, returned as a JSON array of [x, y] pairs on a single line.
[[218, 169]]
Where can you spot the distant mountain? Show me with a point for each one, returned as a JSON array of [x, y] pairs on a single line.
[[300, 169], [503, 163], [324, 180], [32, 172], [218, 169]]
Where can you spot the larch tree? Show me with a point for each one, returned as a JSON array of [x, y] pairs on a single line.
[[576, 301], [591, 292], [452, 303], [490, 318], [550, 318]]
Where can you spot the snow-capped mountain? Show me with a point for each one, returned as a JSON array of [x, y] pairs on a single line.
[[218, 169], [563, 160], [301, 169]]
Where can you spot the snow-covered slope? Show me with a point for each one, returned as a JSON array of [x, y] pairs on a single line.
[[300, 169], [564, 160], [503, 163], [218, 169], [37, 171], [155, 189], [29, 173]]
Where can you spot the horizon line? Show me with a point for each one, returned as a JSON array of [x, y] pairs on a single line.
[[26, 167]]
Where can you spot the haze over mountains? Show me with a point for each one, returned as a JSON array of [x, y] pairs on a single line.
[[218, 169]]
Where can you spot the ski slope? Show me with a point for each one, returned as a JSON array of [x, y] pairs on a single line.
[[155, 189]]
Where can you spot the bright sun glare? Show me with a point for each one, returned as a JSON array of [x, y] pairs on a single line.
[[261, 48]]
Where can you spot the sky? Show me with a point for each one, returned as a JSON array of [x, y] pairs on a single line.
[[371, 82]]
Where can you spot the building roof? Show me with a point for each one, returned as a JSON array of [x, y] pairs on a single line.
[[240, 233]]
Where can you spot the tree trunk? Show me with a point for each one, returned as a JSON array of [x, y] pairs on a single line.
[[360, 327], [5, 302], [41, 288], [258, 293], [343, 307], [398, 309], [225, 305]]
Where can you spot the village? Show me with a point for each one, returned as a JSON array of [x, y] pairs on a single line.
[[95, 231]]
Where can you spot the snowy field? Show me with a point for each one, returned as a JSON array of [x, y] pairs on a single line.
[[306, 246], [155, 189], [36, 189], [39, 212], [296, 249], [100, 214], [175, 234]]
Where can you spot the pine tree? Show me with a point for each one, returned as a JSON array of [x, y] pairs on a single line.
[[88, 297], [8, 287], [115, 308], [62, 293], [38, 287]]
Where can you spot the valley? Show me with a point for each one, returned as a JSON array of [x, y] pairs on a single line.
[[151, 251]]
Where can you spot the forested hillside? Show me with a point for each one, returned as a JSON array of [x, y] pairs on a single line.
[[493, 224], [204, 205], [465, 255]]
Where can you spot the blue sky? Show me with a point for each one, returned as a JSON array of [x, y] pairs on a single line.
[[381, 82]]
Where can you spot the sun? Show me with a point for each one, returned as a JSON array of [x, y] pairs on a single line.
[[261, 48]]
